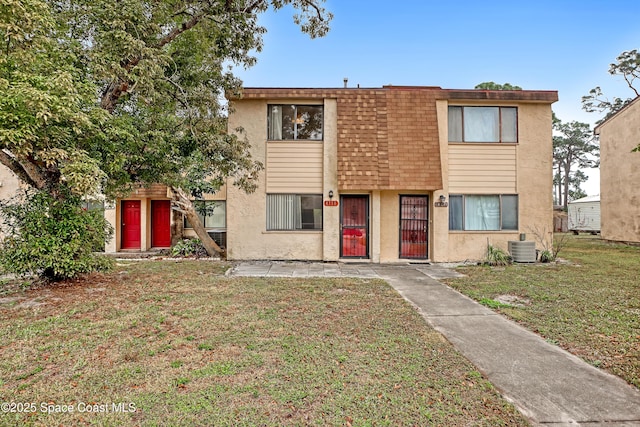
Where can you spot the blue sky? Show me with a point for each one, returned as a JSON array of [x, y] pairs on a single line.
[[540, 45]]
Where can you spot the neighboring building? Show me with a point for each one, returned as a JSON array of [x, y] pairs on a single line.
[[620, 174], [391, 174], [584, 214]]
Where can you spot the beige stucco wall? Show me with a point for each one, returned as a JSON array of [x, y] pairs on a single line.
[[533, 184], [9, 183], [112, 217], [247, 237], [330, 214], [620, 175]]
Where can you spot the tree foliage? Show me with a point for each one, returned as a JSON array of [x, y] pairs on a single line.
[[497, 86], [627, 65], [97, 95], [574, 148], [48, 116]]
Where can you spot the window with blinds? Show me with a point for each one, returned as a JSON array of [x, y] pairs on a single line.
[[294, 212]]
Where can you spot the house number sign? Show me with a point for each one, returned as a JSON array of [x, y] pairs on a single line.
[[331, 203]]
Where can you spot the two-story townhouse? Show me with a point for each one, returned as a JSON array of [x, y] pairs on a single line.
[[387, 174], [391, 174]]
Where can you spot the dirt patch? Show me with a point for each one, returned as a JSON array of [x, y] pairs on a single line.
[[513, 300], [30, 303], [10, 300]]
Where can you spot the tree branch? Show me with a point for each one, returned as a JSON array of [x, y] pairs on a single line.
[[630, 83], [316, 7], [186, 26], [119, 86], [26, 173]]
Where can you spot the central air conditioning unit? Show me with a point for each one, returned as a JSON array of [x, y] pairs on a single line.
[[522, 251]]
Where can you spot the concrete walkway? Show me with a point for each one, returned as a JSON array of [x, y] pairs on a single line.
[[547, 384]]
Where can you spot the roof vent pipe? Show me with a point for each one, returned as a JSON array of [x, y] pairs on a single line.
[[345, 80]]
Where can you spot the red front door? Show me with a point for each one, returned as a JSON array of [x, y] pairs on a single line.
[[414, 219], [130, 224], [160, 223], [354, 226]]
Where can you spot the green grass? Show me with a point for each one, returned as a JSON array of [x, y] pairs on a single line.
[[590, 306], [187, 346]]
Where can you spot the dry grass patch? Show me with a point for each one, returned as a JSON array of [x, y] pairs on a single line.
[[590, 306], [188, 346]]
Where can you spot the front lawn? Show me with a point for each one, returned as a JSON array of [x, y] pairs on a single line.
[[178, 343], [590, 306]]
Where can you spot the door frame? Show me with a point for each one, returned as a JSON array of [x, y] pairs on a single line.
[[123, 225], [153, 223], [367, 223], [426, 231]]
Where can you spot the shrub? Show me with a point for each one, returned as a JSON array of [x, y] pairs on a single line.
[[546, 256], [189, 248], [51, 238], [496, 256], [551, 243]]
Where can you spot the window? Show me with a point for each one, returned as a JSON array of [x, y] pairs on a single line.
[[212, 213], [492, 212], [295, 122], [294, 212], [483, 124], [92, 205]]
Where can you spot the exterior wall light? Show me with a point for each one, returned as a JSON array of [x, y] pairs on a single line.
[[442, 198], [330, 194]]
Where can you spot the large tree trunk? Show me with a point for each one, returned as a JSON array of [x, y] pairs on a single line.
[[185, 205]]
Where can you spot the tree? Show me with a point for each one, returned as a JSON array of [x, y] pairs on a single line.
[[574, 147], [47, 113], [159, 70], [627, 65], [48, 118], [497, 86], [168, 60]]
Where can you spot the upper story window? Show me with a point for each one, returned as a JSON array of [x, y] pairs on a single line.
[[295, 122], [483, 124]]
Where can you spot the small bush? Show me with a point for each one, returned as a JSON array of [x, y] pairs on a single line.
[[551, 243], [546, 256], [496, 257], [53, 239], [189, 248]]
